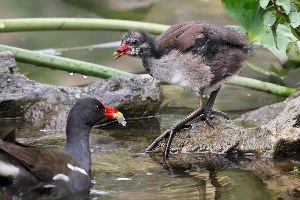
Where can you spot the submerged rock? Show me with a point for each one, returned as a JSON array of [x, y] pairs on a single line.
[[46, 106]]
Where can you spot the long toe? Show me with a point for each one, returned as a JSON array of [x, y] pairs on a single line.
[[219, 113], [156, 141], [168, 143], [209, 114]]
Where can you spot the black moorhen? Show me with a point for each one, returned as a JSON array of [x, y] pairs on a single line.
[[196, 55], [25, 171]]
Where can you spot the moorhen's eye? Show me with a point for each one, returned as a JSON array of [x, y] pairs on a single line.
[[97, 108], [134, 42]]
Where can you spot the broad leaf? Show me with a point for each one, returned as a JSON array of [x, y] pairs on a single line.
[[269, 18], [250, 15], [295, 19], [264, 3], [293, 52]]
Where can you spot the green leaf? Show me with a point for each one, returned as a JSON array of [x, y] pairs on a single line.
[[247, 12], [293, 50], [286, 5], [294, 8], [269, 18], [295, 19], [264, 3], [250, 15], [281, 19], [293, 53]]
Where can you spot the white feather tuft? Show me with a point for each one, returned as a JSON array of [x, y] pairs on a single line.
[[61, 177], [77, 169], [7, 169]]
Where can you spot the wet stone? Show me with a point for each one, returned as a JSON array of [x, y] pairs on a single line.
[[274, 132], [46, 106]]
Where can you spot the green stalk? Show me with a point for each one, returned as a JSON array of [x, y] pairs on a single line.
[[258, 69], [42, 24], [60, 63], [262, 86]]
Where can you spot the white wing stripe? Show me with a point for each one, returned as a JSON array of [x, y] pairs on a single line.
[[77, 169]]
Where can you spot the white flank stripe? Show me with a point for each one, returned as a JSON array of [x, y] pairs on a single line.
[[77, 169], [7, 169], [61, 177], [49, 186]]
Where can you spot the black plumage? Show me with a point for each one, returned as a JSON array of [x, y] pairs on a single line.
[[28, 173]]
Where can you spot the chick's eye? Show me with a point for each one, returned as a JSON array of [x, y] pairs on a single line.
[[97, 108], [134, 42]]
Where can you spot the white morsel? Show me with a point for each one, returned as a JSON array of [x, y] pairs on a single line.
[[121, 119], [100, 192], [124, 179]]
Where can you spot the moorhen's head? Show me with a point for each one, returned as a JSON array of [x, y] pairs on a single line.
[[90, 111], [136, 43]]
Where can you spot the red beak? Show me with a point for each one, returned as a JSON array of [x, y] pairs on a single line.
[[111, 113], [122, 51]]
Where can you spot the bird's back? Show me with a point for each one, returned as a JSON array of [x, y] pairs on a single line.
[[30, 172], [198, 55]]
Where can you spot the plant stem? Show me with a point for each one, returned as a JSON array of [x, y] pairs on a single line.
[[58, 51], [60, 63], [41, 24], [258, 69], [263, 71], [262, 86]]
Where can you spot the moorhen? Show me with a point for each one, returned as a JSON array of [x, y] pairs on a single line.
[[196, 55], [27, 171]]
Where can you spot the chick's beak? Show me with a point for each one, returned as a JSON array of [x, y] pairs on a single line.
[[117, 54], [112, 113], [122, 51]]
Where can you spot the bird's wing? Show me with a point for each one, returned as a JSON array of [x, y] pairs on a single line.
[[42, 164], [196, 34], [10, 137]]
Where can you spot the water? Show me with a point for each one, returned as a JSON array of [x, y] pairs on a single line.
[[119, 172]]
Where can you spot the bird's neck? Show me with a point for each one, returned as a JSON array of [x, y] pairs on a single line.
[[156, 51], [77, 144]]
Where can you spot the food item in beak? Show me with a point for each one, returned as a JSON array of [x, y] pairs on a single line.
[[121, 119]]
